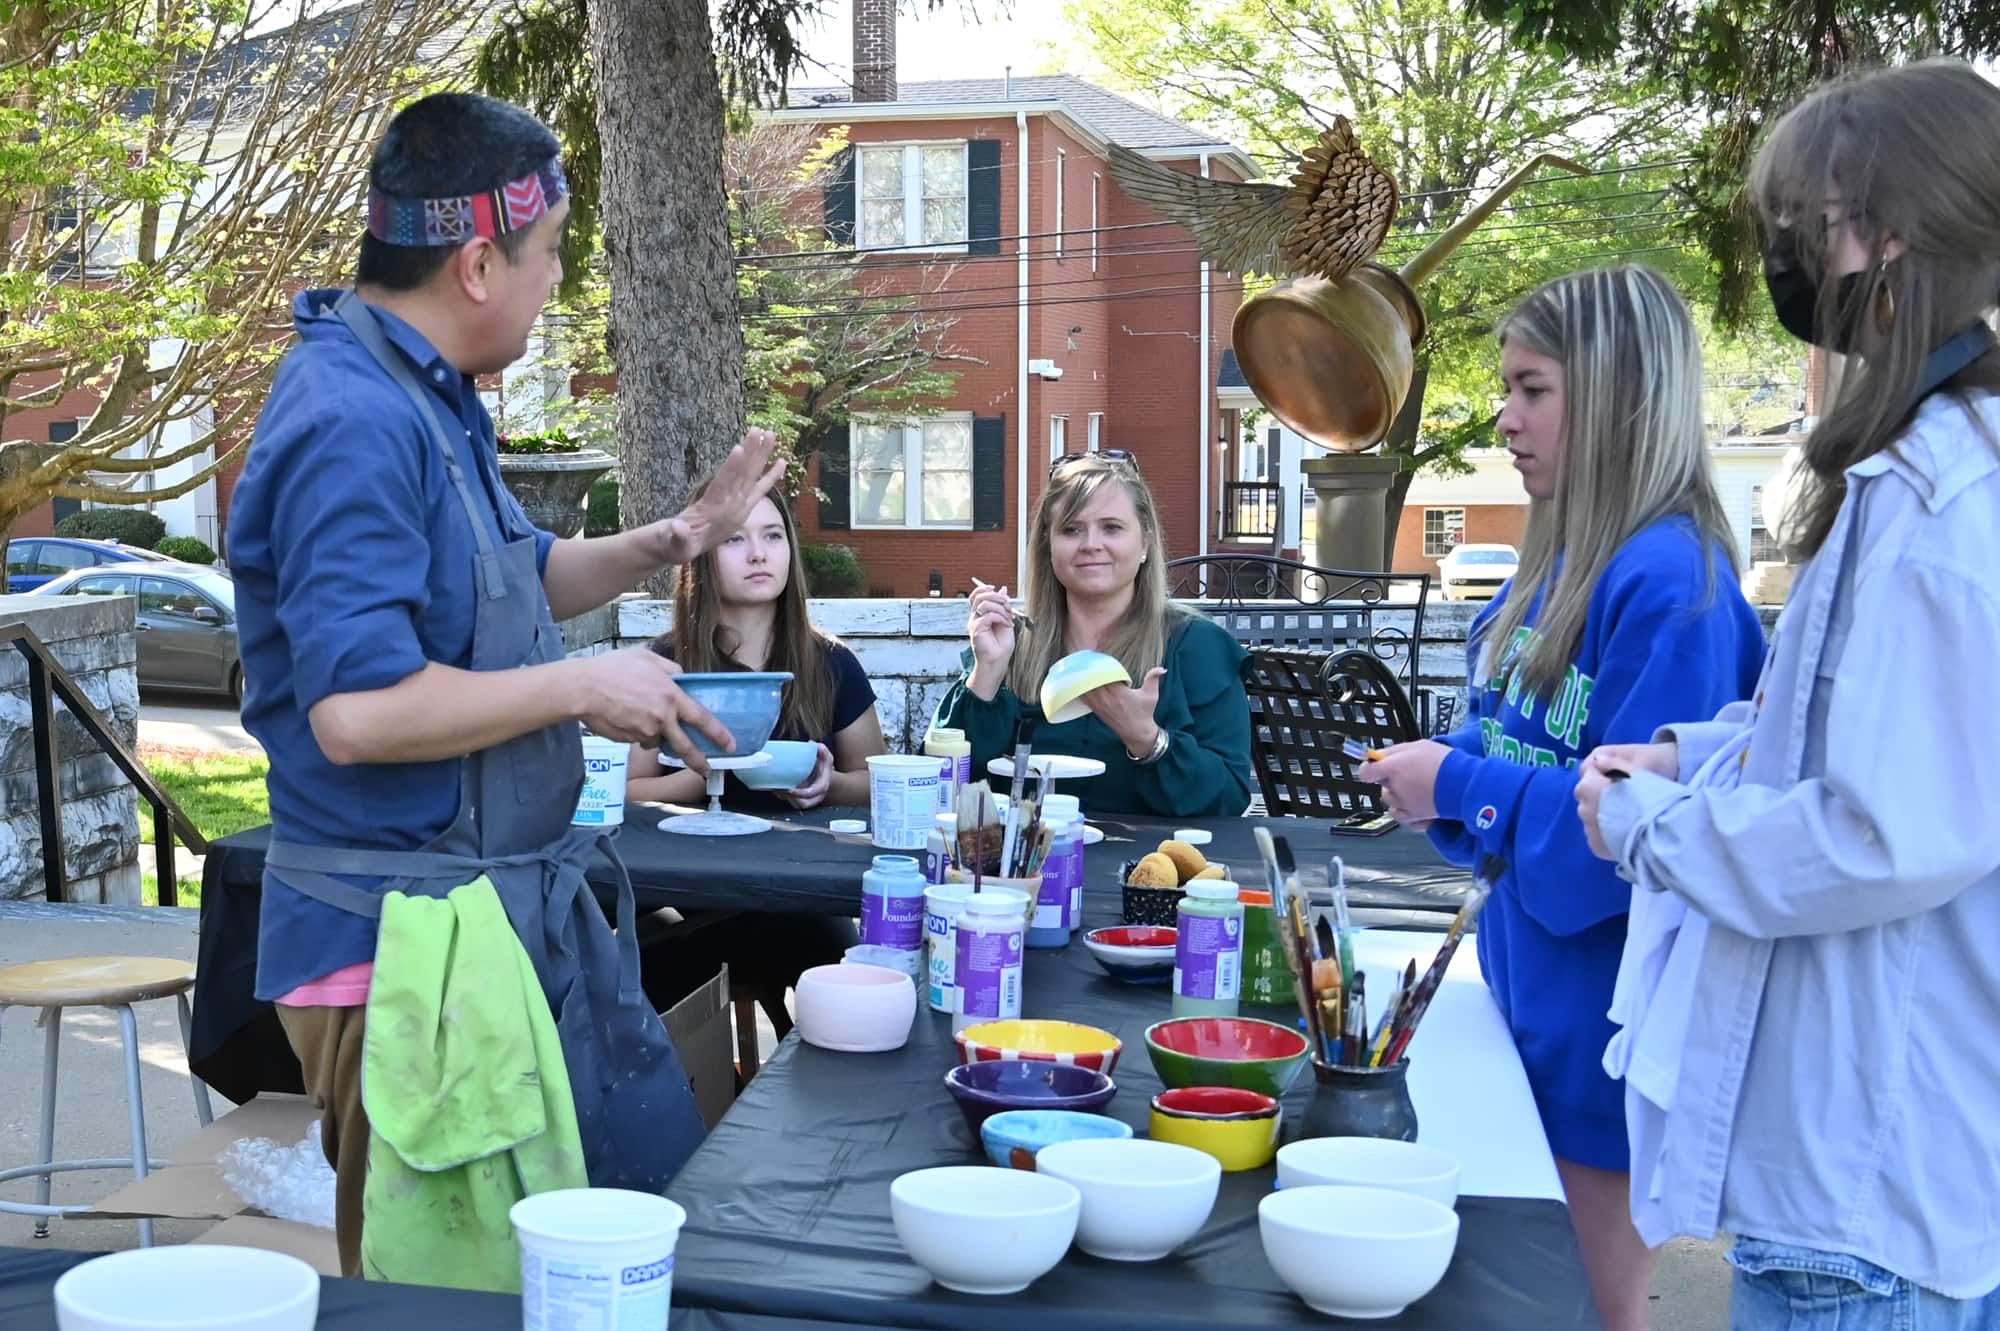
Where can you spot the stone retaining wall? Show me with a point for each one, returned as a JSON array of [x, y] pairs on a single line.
[[95, 641]]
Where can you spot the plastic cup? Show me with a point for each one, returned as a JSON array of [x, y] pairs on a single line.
[[902, 799], [602, 803], [596, 1259]]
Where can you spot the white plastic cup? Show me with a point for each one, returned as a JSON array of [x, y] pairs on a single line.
[[206, 1285], [942, 905], [602, 803], [902, 799], [596, 1259]]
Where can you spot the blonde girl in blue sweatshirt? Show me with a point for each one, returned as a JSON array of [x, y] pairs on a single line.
[[1625, 615]]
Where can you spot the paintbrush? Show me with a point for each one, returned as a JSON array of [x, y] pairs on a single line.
[[1024, 745], [1302, 945], [1351, 1045], [1281, 907], [1419, 1001]]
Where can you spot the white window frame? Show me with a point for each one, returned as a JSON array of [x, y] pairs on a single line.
[[1096, 427], [1058, 437], [1431, 550], [913, 200], [1062, 160], [1776, 549], [913, 475], [1096, 182]]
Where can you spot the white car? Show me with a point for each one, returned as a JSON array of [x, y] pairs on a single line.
[[1472, 572]]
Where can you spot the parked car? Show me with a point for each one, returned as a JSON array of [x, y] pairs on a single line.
[[186, 621], [1472, 572], [33, 560]]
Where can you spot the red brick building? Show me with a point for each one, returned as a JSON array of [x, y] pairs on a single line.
[[1097, 324]]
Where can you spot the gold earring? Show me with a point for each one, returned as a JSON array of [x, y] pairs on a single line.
[[1885, 299]]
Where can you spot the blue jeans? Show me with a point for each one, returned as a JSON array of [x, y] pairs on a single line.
[[1782, 1288]]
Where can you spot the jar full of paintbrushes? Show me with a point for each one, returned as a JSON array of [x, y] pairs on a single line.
[[1360, 1102]]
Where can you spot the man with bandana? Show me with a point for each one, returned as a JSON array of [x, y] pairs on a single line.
[[404, 670]]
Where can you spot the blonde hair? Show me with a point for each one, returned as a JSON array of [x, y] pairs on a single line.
[[1911, 154], [1140, 642], [1634, 450]]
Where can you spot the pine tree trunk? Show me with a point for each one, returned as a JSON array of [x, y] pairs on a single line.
[[1402, 441], [674, 333]]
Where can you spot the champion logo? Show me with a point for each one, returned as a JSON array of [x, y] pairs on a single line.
[[1487, 817]]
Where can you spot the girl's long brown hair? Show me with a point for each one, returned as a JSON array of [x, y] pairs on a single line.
[[1141, 641], [1910, 154], [701, 642]]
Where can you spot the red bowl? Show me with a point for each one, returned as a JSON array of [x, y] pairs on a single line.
[[1227, 1038], [1214, 1102], [1135, 935]]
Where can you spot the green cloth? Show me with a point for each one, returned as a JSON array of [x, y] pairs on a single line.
[[467, 1094], [1203, 706]]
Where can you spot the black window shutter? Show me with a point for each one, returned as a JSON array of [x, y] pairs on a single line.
[[834, 480], [61, 432], [989, 473], [982, 202], [839, 200]]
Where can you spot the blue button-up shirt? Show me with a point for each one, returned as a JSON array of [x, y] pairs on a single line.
[[353, 564], [1840, 1083]]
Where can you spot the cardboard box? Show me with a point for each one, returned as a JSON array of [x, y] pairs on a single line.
[[191, 1186], [699, 1026]]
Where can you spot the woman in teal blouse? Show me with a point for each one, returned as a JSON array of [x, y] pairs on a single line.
[[1177, 745]]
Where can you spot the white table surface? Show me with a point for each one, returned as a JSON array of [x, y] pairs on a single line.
[[1466, 1080]]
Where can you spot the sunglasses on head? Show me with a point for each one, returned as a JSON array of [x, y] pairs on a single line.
[[1125, 456]]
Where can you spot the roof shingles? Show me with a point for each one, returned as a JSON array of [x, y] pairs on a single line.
[[1114, 118]]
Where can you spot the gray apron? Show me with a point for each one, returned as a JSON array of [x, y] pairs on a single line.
[[634, 1106]]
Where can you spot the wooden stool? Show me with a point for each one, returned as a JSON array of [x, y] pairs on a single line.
[[107, 982]]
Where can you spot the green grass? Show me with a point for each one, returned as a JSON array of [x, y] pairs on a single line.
[[221, 793]]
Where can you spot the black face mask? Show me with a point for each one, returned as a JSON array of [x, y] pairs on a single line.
[[1796, 297]]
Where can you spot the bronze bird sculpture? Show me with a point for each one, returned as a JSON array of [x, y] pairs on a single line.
[[1331, 349]]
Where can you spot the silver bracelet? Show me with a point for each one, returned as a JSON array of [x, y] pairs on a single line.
[[1157, 752]]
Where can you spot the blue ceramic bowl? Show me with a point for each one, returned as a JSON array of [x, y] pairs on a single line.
[[791, 763], [745, 703], [984, 1089], [1012, 1136]]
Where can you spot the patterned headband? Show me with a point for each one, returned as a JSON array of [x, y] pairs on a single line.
[[426, 222]]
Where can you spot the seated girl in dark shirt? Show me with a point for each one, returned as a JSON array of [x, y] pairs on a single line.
[[742, 606]]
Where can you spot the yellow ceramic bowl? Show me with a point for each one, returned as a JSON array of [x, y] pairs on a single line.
[[1238, 1127], [1040, 1042], [1072, 677]]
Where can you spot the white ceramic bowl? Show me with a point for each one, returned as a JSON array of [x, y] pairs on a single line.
[[981, 1230], [1072, 677], [1356, 1252], [855, 1009], [1141, 1199], [791, 763], [213, 1287], [1370, 1162]]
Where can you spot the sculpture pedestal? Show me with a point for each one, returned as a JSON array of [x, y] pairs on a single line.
[[1352, 492]]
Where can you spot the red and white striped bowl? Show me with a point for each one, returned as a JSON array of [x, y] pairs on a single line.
[[1036, 1041]]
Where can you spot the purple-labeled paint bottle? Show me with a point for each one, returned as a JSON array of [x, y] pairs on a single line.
[[987, 970], [1208, 954], [892, 903]]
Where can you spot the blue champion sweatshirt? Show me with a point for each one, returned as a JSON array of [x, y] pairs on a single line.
[[1662, 642]]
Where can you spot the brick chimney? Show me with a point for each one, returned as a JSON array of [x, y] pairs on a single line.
[[874, 50]]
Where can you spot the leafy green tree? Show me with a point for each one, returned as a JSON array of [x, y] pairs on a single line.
[[170, 173], [1737, 64]]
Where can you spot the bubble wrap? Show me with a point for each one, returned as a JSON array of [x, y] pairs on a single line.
[[289, 1182]]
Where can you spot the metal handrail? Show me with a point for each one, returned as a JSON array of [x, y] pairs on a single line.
[[47, 681]]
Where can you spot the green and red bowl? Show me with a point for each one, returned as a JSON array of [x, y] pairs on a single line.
[[1226, 1051]]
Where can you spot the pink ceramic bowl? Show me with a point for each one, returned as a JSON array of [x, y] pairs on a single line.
[[855, 1009]]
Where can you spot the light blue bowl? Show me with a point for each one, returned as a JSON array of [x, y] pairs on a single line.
[[791, 763], [745, 703], [1014, 1136]]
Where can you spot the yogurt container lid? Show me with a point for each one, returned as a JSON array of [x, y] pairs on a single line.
[[1214, 889], [1194, 836], [996, 903], [848, 826]]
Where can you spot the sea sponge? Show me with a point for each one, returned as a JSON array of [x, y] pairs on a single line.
[[1187, 860], [1155, 870], [1212, 871]]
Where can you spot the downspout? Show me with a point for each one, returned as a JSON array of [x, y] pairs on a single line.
[[1021, 393], [1203, 387]]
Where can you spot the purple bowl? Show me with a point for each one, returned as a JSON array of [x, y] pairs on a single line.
[[984, 1089]]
